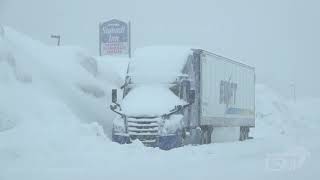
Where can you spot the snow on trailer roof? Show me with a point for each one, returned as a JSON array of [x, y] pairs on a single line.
[[224, 58]]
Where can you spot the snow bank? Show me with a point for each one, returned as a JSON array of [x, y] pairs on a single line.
[[276, 115], [34, 76], [114, 69], [43, 105], [1, 31]]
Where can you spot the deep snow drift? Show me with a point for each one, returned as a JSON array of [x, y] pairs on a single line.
[[55, 123]]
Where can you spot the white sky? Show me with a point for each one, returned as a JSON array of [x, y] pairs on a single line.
[[279, 37]]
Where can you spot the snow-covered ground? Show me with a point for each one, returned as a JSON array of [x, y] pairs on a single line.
[[55, 125]]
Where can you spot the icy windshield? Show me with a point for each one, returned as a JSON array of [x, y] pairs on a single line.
[[150, 100]]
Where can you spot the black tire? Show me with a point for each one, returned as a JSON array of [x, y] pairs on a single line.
[[206, 132], [244, 133]]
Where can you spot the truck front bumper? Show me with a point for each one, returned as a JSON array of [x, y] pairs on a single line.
[[163, 142], [121, 139], [169, 142]]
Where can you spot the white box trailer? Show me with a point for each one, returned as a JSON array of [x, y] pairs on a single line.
[[213, 91], [225, 91]]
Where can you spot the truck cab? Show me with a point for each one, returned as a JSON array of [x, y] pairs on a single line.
[[152, 113], [172, 97]]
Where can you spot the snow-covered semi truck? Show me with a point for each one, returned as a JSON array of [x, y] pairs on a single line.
[[177, 96]]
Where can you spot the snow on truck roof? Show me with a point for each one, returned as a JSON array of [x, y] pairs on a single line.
[[158, 63]]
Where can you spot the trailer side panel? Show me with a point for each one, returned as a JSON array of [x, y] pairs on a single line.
[[227, 92]]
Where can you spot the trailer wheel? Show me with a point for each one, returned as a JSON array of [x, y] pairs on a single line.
[[203, 136], [244, 133], [241, 138]]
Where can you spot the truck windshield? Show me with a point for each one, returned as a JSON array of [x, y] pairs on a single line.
[[150, 99], [177, 87]]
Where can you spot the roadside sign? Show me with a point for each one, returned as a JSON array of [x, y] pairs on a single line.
[[115, 38]]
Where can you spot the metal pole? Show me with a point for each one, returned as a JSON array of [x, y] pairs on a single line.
[[129, 24], [100, 39], [58, 37]]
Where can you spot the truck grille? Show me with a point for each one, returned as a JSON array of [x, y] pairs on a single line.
[[145, 131]]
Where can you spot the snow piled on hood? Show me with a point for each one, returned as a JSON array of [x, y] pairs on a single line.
[[150, 100], [161, 64]]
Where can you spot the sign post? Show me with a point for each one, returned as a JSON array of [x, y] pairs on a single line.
[[114, 38], [58, 37]]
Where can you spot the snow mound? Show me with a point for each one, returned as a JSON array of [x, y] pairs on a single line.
[[6, 122], [276, 116], [114, 69], [44, 84]]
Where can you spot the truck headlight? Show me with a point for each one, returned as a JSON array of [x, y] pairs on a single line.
[[118, 125], [171, 125]]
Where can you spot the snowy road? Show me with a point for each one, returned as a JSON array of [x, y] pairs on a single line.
[[255, 159]]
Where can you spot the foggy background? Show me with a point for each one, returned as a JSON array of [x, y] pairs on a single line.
[[279, 37]]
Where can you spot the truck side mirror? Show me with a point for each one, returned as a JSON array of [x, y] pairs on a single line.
[[191, 96], [114, 95]]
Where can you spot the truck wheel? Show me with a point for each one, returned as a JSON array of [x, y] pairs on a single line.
[[206, 132], [203, 136], [244, 133], [247, 130], [241, 138]]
